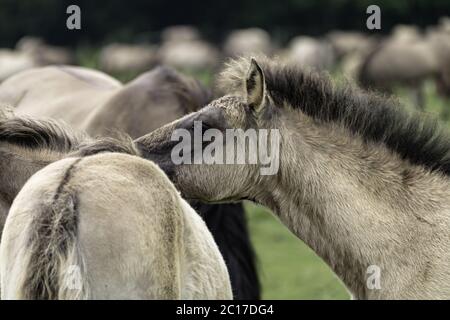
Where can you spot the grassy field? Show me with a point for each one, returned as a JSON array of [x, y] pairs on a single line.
[[288, 268]]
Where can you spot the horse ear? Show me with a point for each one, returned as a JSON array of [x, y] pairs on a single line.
[[255, 85]]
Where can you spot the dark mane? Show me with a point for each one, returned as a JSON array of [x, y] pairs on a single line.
[[122, 143], [193, 94], [39, 134], [415, 137], [57, 136]]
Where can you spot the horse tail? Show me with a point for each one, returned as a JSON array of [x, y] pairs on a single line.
[[55, 268]]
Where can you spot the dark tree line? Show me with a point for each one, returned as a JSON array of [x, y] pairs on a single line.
[[139, 20]]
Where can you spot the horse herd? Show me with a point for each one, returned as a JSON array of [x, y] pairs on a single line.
[[361, 181], [97, 104], [408, 56]]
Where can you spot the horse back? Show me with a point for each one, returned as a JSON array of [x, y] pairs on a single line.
[[61, 92], [118, 224]]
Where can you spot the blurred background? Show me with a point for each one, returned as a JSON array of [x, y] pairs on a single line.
[[114, 20], [408, 58]]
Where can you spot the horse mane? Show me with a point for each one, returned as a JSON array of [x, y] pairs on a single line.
[[57, 136], [40, 134], [121, 143], [417, 138], [193, 94]]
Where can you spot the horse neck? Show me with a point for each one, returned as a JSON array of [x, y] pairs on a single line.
[[354, 204], [136, 110], [17, 165]]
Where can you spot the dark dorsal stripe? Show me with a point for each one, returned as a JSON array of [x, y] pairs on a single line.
[[54, 234], [414, 137]]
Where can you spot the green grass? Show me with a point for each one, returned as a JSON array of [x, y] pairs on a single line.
[[87, 56]]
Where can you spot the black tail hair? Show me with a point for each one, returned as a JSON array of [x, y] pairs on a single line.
[[228, 225]]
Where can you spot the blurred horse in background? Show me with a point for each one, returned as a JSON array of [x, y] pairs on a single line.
[[403, 59], [31, 52], [124, 58], [248, 41], [408, 58], [183, 47]]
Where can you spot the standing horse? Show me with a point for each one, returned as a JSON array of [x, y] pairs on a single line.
[[109, 226], [404, 59], [114, 218], [363, 183], [93, 101]]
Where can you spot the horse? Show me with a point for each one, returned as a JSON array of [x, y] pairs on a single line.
[[92, 101], [26, 146], [407, 58], [126, 58], [310, 52], [107, 226], [248, 41], [361, 181]]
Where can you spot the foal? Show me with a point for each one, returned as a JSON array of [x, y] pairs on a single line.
[[362, 182]]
